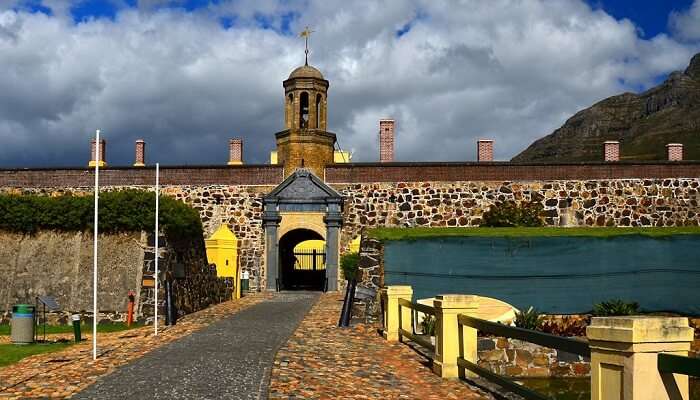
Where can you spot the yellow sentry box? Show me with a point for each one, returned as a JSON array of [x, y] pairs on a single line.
[[222, 250]]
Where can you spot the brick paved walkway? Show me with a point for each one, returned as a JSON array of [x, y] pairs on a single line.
[[62, 374], [321, 361], [230, 359]]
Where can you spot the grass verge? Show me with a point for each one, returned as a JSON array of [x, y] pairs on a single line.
[[11, 353], [388, 234], [85, 328]]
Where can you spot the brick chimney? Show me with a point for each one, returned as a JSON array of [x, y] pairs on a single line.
[[93, 157], [611, 149], [140, 156], [235, 151], [484, 150], [386, 140], [675, 151]]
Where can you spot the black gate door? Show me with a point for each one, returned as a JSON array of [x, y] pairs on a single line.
[[309, 270]]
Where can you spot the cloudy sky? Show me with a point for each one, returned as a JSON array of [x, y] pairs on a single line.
[[187, 75]]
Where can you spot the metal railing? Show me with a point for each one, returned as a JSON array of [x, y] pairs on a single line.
[[675, 364], [543, 339], [415, 309], [311, 260]]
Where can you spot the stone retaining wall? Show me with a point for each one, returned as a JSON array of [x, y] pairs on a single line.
[[606, 202], [517, 358], [238, 206], [59, 264], [628, 202], [199, 288]]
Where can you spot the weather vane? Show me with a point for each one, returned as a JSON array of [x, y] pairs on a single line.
[[306, 33]]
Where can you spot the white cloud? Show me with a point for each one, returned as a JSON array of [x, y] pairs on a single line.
[[508, 70], [686, 24]]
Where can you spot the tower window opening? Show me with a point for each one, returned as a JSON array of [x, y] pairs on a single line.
[[289, 111], [304, 110], [318, 111]]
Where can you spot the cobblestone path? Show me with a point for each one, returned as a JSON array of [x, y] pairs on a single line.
[[322, 361], [230, 359], [62, 374]]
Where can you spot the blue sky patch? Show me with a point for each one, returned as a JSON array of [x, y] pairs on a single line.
[[88, 9], [36, 7], [420, 15], [650, 16]]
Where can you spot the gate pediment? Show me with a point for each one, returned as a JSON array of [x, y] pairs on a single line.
[[303, 187]]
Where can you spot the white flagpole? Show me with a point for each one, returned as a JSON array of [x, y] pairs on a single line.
[[94, 256], [155, 321]]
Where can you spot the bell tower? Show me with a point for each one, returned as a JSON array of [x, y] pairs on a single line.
[[305, 143]]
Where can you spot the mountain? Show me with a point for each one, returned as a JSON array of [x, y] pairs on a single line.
[[643, 123]]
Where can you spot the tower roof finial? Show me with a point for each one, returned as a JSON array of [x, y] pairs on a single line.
[[306, 34]]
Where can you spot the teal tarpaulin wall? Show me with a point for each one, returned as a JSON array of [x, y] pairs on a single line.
[[554, 274]]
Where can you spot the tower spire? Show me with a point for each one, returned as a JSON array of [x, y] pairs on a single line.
[[306, 34]]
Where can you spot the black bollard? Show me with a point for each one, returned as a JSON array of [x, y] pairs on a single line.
[[346, 314], [170, 310]]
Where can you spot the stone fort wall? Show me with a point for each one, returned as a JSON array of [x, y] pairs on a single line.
[[60, 264], [415, 194], [608, 202]]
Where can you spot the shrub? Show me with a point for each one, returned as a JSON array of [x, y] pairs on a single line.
[[530, 319], [615, 307], [120, 211], [428, 325], [349, 265], [509, 214], [567, 326]]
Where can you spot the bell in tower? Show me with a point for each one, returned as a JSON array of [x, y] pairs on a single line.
[[305, 143]]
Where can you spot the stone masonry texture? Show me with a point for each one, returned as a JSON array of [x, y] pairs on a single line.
[[407, 195], [59, 264], [628, 202], [124, 259]]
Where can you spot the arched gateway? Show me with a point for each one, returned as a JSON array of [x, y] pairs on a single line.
[[302, 208]]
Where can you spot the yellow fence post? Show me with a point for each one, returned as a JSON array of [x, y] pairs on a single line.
[[624, 353], [447, 333], [392, 319]]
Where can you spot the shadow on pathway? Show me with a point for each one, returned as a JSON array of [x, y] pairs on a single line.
[[230, 359]]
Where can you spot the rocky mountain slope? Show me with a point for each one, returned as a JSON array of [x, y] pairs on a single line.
[[643, 123]]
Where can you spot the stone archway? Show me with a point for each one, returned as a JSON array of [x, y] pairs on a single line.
[[301, 270], [302, 202]]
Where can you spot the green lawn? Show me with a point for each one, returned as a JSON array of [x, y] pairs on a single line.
[[422, 233], [11, 353], [115, 327]]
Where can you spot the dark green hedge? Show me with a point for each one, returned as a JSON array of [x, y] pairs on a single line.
[[122, 211]]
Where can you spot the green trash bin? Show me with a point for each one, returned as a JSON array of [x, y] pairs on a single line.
[[22, 324]]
